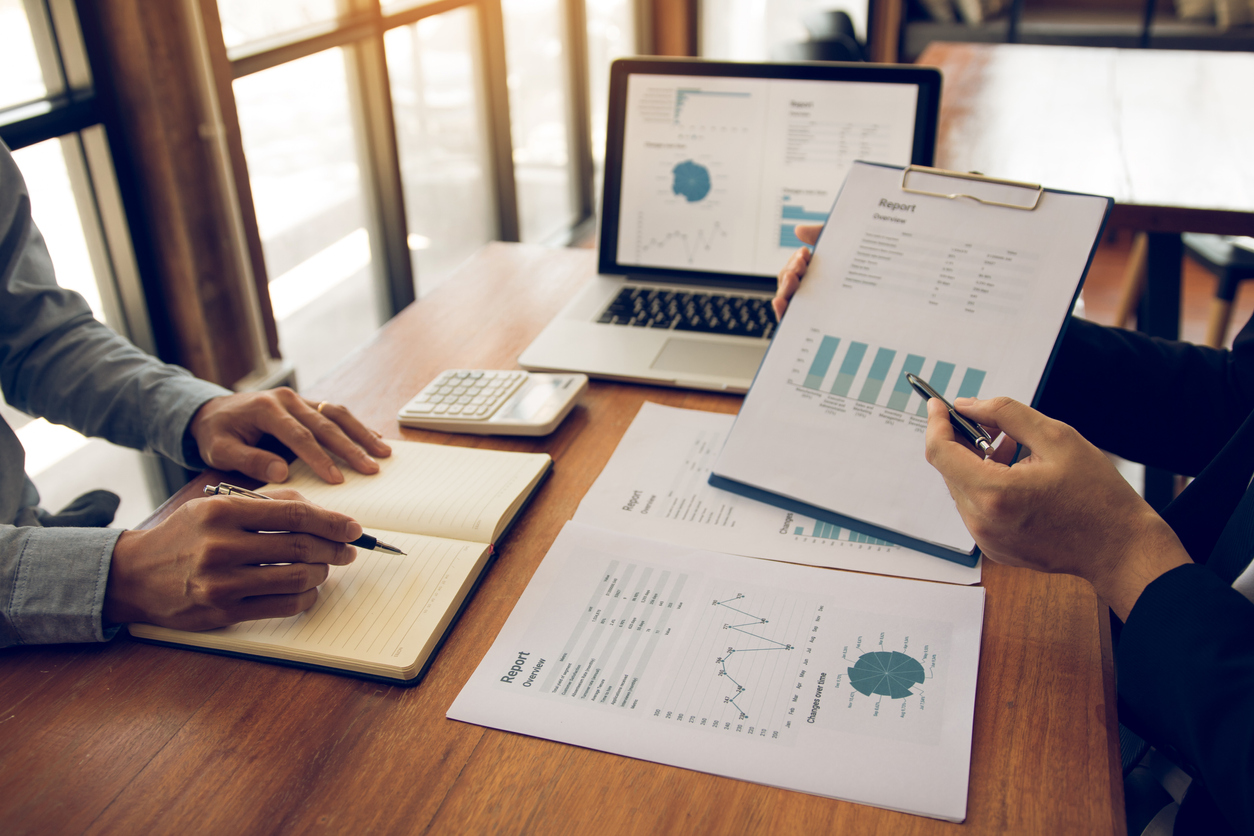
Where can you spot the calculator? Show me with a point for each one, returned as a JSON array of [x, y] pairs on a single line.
[[487, 402]]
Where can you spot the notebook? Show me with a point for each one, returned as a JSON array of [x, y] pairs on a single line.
[[384, 616], [709, 166]]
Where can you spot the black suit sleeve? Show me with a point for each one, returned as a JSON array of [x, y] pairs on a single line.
[[1186, 669], [1163, 403]]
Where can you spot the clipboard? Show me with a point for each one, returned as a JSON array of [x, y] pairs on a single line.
[[810, 419]]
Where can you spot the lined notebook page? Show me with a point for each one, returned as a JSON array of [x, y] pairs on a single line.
[[439, 491], [380, 614]]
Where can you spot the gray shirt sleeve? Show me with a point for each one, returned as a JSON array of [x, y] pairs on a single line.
[[57, 362]]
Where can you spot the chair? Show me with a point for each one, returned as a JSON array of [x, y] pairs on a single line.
[[831, 38], [1229, 258]]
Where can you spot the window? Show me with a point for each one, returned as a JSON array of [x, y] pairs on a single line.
[[48, 117], [386, 142]]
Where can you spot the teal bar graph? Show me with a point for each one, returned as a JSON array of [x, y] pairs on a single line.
[[939, 381], [902, 388], [971, 383], [878, 374], [827, 531], [822, 362], [849, 368]]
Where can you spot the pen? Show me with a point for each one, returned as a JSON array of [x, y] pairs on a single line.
[[973, 432], [365, 541]]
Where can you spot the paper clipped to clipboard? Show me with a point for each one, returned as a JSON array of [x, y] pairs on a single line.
[[964, 280]]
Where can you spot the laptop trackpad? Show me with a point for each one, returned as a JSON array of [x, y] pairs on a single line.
[[718, 359]]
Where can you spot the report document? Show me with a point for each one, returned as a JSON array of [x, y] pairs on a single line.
[[843, 685], [657, 485], [970, 296]]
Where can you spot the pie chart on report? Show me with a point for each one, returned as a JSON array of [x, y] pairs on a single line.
[[886, 673]]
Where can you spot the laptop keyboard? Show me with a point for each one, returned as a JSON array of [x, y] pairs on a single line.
[[709, 313]]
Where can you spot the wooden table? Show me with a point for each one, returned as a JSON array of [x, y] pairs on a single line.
[[132, 738], [1167, 134]]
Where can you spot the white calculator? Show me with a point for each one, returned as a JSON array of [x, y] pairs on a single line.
[[493, 402]]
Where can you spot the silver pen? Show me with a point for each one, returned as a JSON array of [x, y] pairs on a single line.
[[365, 541]]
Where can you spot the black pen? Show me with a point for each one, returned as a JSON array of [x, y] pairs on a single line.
[[365, 541], [973, 432]]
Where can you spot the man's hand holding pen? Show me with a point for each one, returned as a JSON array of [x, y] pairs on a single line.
[[1062, 508], [208, 564]]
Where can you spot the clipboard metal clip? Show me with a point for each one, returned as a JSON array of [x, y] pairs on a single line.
[[1037, 189]]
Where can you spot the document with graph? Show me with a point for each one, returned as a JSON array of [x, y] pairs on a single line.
[[965, 282], [849, 686], [657, 485]]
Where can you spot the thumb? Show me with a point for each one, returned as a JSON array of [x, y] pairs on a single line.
[[230, 453], [1017, 420], [808, 233]]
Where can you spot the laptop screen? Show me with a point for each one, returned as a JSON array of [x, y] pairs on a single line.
[[710, 165]]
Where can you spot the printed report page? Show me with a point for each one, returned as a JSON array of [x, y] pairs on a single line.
[[657, 485], [833, 683], [967, 296], [718, 171]]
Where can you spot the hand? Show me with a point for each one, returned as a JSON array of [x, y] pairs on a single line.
[[228, 428], [207, 566], [1063, 508], [790, 277]]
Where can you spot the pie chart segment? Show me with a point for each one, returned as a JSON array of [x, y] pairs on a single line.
[[886, 673]]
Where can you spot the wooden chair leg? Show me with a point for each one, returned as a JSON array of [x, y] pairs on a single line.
[[1133, 280], [1217, 327]]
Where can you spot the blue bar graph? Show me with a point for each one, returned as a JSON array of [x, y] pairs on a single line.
[[822, 362], [849, 368], [827, 531], [939, 381], [878, 374], [886, 363], [902, 388], [971, 383]]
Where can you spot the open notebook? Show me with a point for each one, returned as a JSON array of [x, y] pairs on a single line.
[[383, 616]]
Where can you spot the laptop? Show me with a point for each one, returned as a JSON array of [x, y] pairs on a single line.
[[709, 166]]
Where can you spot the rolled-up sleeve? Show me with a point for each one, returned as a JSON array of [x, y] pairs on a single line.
[[52, 584]]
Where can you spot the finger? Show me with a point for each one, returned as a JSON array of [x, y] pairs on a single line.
[[271, 547], [245, 582], [808, 233], [957, 463], [229, 452], [1005, 451], [354, 429], [271, 606], [329, 435], [1019, 421], [247, 514], [294, 431]]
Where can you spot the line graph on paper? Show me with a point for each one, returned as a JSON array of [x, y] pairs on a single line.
[[746, 665]]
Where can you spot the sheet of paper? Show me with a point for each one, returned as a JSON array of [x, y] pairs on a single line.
[[967, 296], [838, 684], [376, 614], [431, 489], [655, 486]]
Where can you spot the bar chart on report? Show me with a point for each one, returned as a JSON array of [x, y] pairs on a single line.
[[876, 375]]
